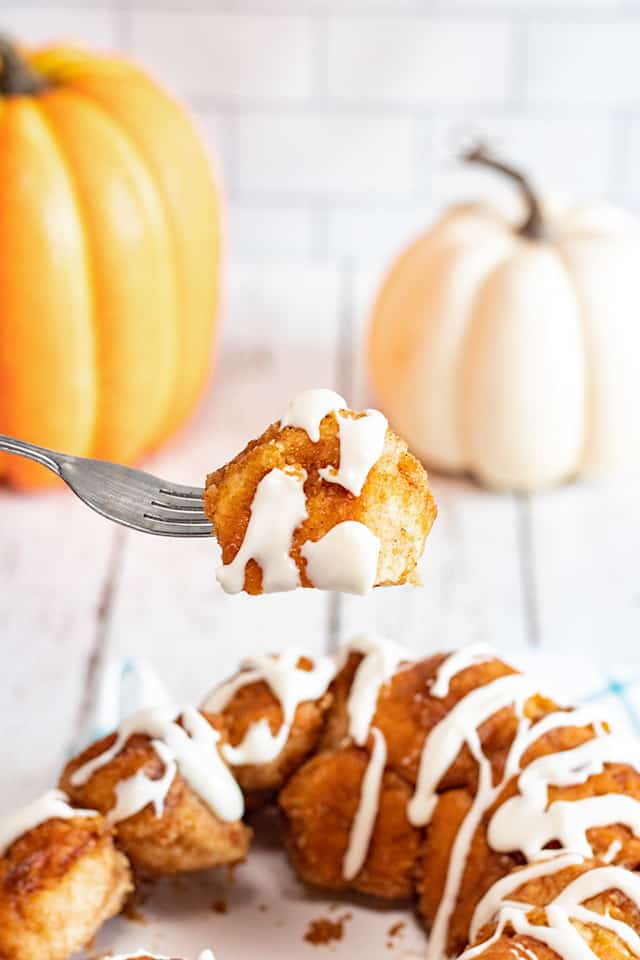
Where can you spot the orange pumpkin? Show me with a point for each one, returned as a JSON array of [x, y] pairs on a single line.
[[109, 258]]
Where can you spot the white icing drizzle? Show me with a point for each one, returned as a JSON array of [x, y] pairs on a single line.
[[52, 805], [361, 445], [361, 438], [568, 821], [289, 683], [457, 662], [561, 936], [194, 751], [525, 823], [598, 880], [279, 506], [592, 884], [479, 948], [365, 818], [488, 906], [528, 733], [134, 793], [521, 951], [380, 660], [309, 408], [612, 851], [345, 559], [459, 726], [559, 933]]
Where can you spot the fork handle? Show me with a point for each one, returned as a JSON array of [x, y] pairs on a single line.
[[48, 458]]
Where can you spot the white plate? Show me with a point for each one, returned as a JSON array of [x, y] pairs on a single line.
[[268, 913]]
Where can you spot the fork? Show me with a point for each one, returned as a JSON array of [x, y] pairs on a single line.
[[127, 496]]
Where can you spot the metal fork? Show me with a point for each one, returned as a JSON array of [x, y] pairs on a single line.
[[130, 497]]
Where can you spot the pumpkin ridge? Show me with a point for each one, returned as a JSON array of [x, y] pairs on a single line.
[[589, 376], [52, 323], [194, 363], [119, 436], [173, 239], [89, 266]]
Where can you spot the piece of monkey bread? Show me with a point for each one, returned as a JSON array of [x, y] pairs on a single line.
[[59, 882], [263, 745], [164, 822], [325, 498], [319, 804]]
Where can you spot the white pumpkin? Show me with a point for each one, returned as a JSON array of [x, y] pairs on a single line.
[[513, 353]]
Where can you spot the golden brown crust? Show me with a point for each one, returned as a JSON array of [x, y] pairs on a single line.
[[58, 884], [187, 836], [319, 804], [395, 504]]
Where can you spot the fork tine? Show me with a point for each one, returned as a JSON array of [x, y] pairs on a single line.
[[165, 528], [181, 492], [177, 516], [188, 508]]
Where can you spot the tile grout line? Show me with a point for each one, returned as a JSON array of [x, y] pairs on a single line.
[[526, 552], [375, 105]]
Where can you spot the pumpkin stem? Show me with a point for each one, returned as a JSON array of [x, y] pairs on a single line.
[[533, 226], [17, 76]]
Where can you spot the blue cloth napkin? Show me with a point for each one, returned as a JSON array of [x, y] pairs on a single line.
[[127, 685]]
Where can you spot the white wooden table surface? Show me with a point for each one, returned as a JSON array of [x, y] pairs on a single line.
[[559, 571]]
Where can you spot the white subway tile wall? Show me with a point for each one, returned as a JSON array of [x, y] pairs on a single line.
[[86, 23], [594, 63], [315, 154], [418, 60], [227, 57], [337, 123]]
